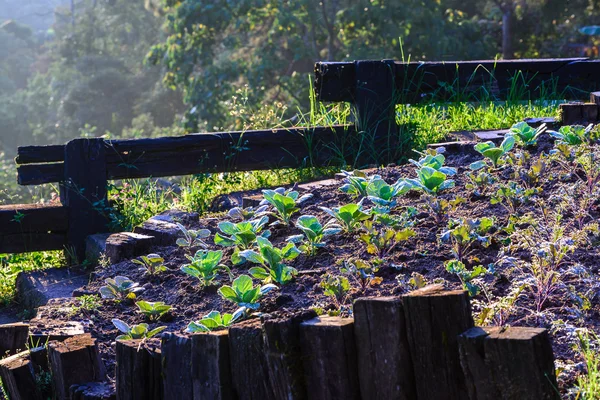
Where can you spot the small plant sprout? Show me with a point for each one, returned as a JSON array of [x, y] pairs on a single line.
[[512, 196], [151, 264], [153, 310], [241, 235], [243, 293], [285, 203], [466, 276], [572, 135], [463, 233], [271, 258], [382, 240], [492, 153], [479, 182], [313, 233], [433, 159], [349, 216], [214, 320], [363, 272], [430, 180], [246, 214], [192, 238], [384, 195], [356, 183], [336, 287], [136, 331], [120, 288], [205, 266], [525, 135]]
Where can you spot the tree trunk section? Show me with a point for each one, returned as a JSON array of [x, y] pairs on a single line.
[[13, 338], [250, 374], [434, 319], [211, 366], [382, 346], [329, 357], [74, 361], [138, 371], [176, 366], [18, 377]]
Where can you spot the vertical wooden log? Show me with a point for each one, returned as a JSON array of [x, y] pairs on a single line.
[[571, 113], [249, 371], [595, 98], [176, 351], [508, 363], [18, 377], [590, 112], [375, 106], [74, 361], [329, 357], [434, 319], [211, 366], [13, 338], [385, 367], [84, 191], [284, 355], [138, 372]]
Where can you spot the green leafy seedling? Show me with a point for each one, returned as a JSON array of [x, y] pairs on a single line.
[[205, 265], [272, 260], [151, 264], [243, 293], [336, 287], [284, 202], [153, 310], [246, 214], [136, 331], [466, 276], [433, 160], [493, 153], [356, 183], [241, 235], [192, 238], [430, 181], [349, 216], [572, 135], [120, 288], [314, 233], [214, 320], [463, 233], [526, 135]]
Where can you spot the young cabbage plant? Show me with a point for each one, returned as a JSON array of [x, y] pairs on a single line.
[[214, 320], [525, 135], [205, 266], [362, 272], [272, 260], [248, 213], [243, 293], [463, 233], [284, 202], [241, 235], [151, 264], [435, 160], [384, 195], [495, 154], [136, 331], [572, 135], [120, 288], [349, 216], [336, 287], [313, 233], [429, 180], [479, 182], [153, 310], [355, 183], [192, 238], [466, 276], [381, 240]]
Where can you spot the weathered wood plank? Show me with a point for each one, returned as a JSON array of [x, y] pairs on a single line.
[[28, 242], [29, 218], [382, 345], [18, 377], [434, 319], [13, 338], [37, 174], [211, 366], [176, 352], [138, 372], [40, 154]]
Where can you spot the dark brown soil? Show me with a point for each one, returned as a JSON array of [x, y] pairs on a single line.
[[423, 254]]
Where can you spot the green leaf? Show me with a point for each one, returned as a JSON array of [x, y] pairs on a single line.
[[259, 273], [120, 325], [228, 293]]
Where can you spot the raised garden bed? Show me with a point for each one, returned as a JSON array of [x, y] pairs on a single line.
[[527, 253]]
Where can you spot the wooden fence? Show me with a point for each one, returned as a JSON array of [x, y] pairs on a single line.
[[421, 346], [83, 166]]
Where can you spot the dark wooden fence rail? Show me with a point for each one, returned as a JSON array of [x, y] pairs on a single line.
[[421, 346], [83, 166]]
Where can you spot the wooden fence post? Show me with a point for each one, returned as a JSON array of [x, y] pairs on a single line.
[[83, 191], [385, 367], [18, 377], [176, 351], [211, 367], [434, 319], [138, 373], [375, 106]]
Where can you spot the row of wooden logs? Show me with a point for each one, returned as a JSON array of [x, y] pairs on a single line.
[[419, 346], [579, 113]]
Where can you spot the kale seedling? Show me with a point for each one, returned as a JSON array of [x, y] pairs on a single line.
[[120, 288], [356, 183], [512, 196], [466, 276], [432, 182], [384, 195], [241, 235], [492, 153], [136, 331], [151, 264], [525, 135], [382, 240], [349, 216], [271, 258], [363, 272], [214, 320], [285, 203], [243, 293], [205, 266], [336, 287], [192, 238], [463, 233], [313, 233], [153, 310]]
